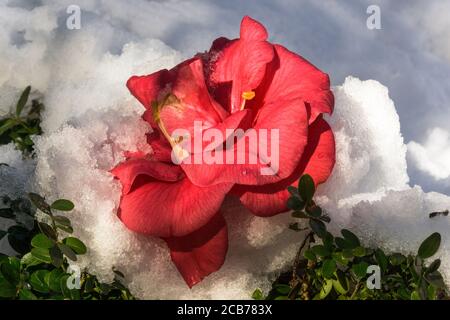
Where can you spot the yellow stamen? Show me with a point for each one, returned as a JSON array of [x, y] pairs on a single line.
[[174, 143], [247, 95]]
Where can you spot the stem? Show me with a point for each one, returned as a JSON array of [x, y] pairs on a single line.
[[356, 290], [299, 254]]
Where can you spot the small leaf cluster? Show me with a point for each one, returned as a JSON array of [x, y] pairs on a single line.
[[336, 267], [21, 124], [40, 271]]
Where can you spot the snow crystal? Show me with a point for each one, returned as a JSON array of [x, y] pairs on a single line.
[[370, 148]]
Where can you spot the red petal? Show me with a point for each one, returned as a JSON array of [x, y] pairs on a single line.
[[290, 118], [318, 161], [127, 172], [252, 30], [241, 65], [289, 76], [202, 252], [147, 88], [172, 206]]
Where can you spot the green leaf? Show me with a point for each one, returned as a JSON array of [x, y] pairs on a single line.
[[41, 254], [26, 294], [347, 253], [310, 255], [37, 281], [63, 205], [306, 188], [54, 280], [257, 295], [56, 256], [294, 203], [10, 274], [7, 213], [282, 289], [318, 227], [434, 266], [430, 246], [415, 295], [73, 294], [328, 241], [40, 203], [360, 269], [339, 258], [48, 230], [342, 243], [42, 241], [67, 251], [7, 290], [326, 289], [359, 252], [435, 279], [320, 250], [397, 259], [350, 238], [8, 124], [381, 259], [63, 221], [314, 211], [342, 281], [19, 238], [75, 244], [22, 100], [29, 260], [328, 268]]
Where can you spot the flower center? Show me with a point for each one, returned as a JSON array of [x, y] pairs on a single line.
[[247, 95], [169, 99]]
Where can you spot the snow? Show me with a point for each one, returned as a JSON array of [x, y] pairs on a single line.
[[90, 119], [432, 156]]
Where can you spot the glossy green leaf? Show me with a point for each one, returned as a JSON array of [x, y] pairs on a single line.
[[430, 246], [75, 244], [63, 205], [42, 241], [41, 254], [37, 281], [306, 188]]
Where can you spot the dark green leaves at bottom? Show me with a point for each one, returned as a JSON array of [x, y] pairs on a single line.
[[360, 269], [37, 281], [328, 268]]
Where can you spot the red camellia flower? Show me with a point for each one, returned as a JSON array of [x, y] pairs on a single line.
[[245, 83]]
